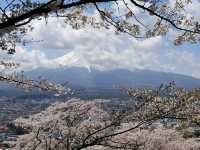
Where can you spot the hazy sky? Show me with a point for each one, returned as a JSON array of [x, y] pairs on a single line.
[[104, 50]]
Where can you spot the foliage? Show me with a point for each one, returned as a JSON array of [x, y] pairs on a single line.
[[188, 134], [72, 125], [16, 14], [166, 102], [78, 124], [20, 80], [161, 138], [16, 129]]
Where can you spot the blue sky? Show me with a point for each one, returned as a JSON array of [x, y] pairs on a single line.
[[104, 50]]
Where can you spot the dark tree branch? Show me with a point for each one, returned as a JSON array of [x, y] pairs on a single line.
[[44, 9], [4, 13], [112, 22], [163, 18], [135, 17], [30, 83], [9, 4]]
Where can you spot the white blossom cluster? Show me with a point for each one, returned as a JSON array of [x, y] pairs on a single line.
[[20, 80], [70, 123]]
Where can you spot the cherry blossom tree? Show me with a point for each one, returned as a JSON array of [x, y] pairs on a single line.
[[80, 124], [16, 15]]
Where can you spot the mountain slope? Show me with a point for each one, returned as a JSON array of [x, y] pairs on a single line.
[[93, 78]]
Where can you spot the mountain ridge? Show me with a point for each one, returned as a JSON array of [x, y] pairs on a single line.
[[93, 78]]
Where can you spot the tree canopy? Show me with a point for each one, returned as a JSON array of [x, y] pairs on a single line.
[[16, 15], [78, 124]]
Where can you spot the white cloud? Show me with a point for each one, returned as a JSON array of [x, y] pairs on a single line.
[[31, 59], [104, 50]]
